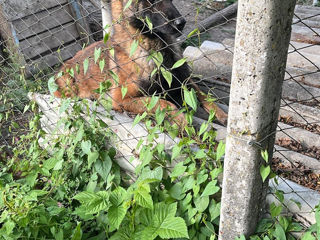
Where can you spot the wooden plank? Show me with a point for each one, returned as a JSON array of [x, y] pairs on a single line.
[[15, 9], [10, 39], [81, 23], [53, 59], [42, 21], [46, 41]]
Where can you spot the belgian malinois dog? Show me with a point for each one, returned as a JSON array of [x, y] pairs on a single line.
[[139, 29]]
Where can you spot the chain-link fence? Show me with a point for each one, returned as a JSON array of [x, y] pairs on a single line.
[[37, 37]]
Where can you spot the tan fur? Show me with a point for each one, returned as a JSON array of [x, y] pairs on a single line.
[[130, 70]]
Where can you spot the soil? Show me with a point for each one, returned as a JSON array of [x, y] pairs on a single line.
[[314, 128], [296, 146], [297, 173]]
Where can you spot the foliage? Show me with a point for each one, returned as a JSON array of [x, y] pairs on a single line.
[[73, 189]]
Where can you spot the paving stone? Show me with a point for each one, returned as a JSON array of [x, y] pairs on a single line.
[[209, 47], [193, 53], [295, 193]]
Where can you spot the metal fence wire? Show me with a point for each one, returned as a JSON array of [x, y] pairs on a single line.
[[36, 37]]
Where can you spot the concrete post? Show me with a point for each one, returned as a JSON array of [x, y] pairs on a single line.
[[261, 46], [106, 16]]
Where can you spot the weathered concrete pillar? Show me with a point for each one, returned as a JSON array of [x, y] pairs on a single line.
[[262, 39], [106, 16]]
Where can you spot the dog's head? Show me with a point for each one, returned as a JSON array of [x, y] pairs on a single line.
[[163, 15]]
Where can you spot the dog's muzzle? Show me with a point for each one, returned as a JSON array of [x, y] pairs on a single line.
[[179, 23]]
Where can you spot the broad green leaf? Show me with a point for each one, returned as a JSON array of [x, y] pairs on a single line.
[[160, 115], [178, 170], [284, 222], [134, 47], [138, 118], [175, 151], [52, 86], [77, 235], [264, 225], [118, 196], [265, 155], [143, 198], [150, 233], [214, 210], [58, 165], [294, 227], [167, 75], [84, 197], [103, 166], [114, 76], [106, 37], [210, 189], [128, 4], [191, 98], [275, 210], [220, 150], [92, 158], [200, 154], [264, 172], [8, 226], [162, 211], [77, 68], [93, 202], [26, 107], [85, 66], [173, 227], [116, 215], [97, 54], [179, 63], [203, 128], [64, 105], [188, 183], [154, 100], [149, 23], [176, 191], [111, 51], [202, 177], [280, 196], [308, 236], [102, 63], [124, 91], [193, 32], [71, 72], [201, 203], [279, 233], [157, 58], [86, 146], [148, 174], [50, 163], [185, 203]]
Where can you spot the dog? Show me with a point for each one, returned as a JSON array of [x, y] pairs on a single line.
[[139, 30]]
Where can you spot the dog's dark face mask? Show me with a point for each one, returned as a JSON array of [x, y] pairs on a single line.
[[163, 15]]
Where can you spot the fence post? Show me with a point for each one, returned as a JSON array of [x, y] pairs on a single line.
[[106, 16], [261, 46]]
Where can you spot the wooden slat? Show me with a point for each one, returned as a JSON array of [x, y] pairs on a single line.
[[15, 9], [42, 21], [48, 40], [10, 39], [53, 59]]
